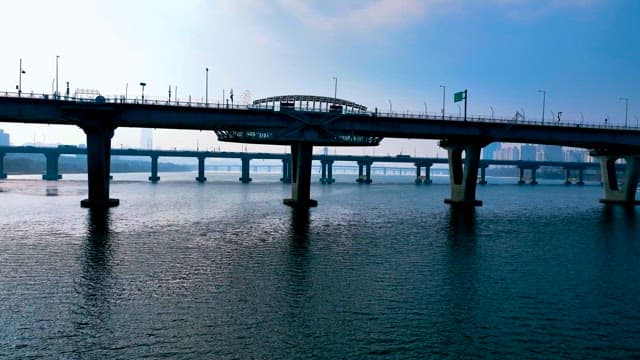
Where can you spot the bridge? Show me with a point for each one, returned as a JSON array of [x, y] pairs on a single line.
[[285, 121], [364, 163]]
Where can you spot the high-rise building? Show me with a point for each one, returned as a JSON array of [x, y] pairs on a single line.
[[4, 138], [550, 153], [488, 152], [146, 138], [528, 152]]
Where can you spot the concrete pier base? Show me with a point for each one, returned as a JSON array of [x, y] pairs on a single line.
[[615, 192], [286, 170], [301, 156], [463, 172], [327, 172], [3, 175], [98, 166], [154, 169], [364, 177], [245, 178], [201, 178], [52, 167], [483, 176]]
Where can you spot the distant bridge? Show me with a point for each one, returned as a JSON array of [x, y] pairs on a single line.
[[286, 124]]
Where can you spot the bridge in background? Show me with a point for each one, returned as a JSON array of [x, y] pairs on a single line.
[[364, 163], [290, 122]]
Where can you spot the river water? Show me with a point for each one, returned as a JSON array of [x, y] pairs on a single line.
[[224, 270]]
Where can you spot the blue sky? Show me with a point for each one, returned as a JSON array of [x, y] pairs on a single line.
[[584, 53]]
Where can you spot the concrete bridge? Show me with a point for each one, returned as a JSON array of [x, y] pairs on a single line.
[[288, 120], [364, 163]]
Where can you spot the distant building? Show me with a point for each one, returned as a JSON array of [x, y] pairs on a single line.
[[488, 152], [550, 153], [507, 153], [146, 138], [528, 152], [4, 138], [577, 155]]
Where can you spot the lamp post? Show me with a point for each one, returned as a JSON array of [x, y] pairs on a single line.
[[491, 107], [335, 88], [544, 97], [56, 93], [142, 84], [581, 118], [206, 101], [425, 108], [19, 87], [626, 109], [390, 107], [444, 87]]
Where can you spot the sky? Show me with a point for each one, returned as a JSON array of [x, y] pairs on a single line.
[[583, 53]]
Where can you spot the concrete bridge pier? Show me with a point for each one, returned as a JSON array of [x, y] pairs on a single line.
[[301, 156], [51, 173], [245, 178], [463, 173], [154, 178], [201, 178], [534, 170], [483, 175], [533, 175], [580, 177], [615, 193], [364, 178], [3, 175], [427, 173], [286, 171], [327, 171], [567, 176], [521, 178], [98, 167]]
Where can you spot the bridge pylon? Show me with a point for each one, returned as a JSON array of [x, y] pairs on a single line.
[[615, 192], [98, 166], [301, 156], [463, 172]]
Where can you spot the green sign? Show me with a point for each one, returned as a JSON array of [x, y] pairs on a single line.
[[459, 96]]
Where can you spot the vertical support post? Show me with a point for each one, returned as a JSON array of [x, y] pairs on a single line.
[[533, 176], [463, 173], [51, 173], [427, 174], [201, 178], [367, 172], [580, 177], [624, 193], [330, 179], [521, 181], [98, 167], [418, 179], [3, 175], [245, 178], [286, 170], [323, 167], [567, 176], [154, 178], [301, 156], [360, 178], [483, 175]]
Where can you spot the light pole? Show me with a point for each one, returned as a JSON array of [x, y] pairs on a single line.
[[142, 84], [390, 107], [56, 94], [544, 97], [491, 107], [19, 87], [626, 110], [206, 101], [425, 108], [335, 88], [444, 87], [581, 118]]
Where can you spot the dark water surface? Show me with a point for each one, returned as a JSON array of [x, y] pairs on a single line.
[[224, 270]]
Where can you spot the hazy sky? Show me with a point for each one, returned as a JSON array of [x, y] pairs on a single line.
[[584, 53]]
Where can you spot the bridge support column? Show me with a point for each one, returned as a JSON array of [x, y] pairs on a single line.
[[366, 177], [154, 178], [98, 168], [521, 180], [427, 174], [286, 171], [624, 193], [418, 180], [567, 176], [327, 171], [533, 176], [301, 156], [201, 178], [463, 173], [52, 167], [483, 175], [3, 175], [580, 177], [245, 178]]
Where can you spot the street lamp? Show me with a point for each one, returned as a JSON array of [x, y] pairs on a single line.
[[444, 87], [544, 97], [491, 107], [206, 101], [56, 94], [390, 107], [626, 109], [142, 84], [581, 118], [19, 87], [425, 108], [335, 88]]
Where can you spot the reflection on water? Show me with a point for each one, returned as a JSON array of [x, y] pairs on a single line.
[[51, 191]]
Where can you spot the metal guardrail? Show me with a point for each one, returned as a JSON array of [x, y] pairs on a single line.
[[119, 99]]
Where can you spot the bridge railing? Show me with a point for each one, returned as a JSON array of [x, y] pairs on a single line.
[[120, 99]]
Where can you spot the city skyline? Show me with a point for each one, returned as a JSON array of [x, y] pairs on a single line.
[[379, 53]]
